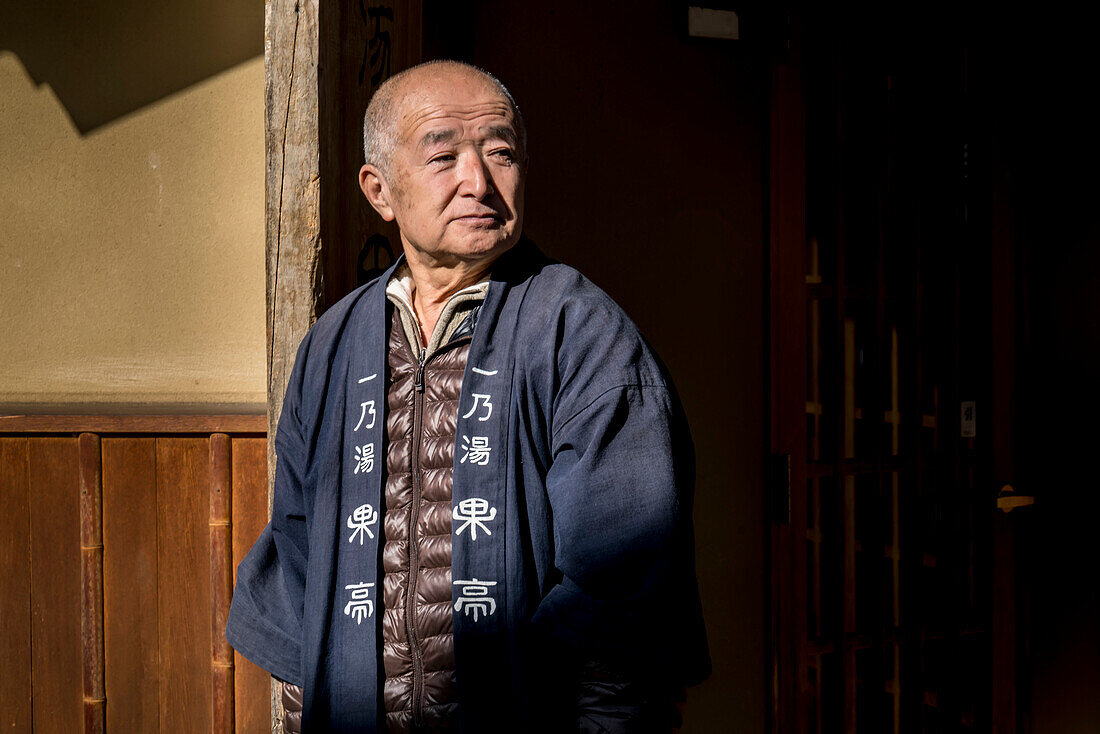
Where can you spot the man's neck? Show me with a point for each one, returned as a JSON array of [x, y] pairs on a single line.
[[434, 282]]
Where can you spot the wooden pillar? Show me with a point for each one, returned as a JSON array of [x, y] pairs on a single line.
[[322, 61], [91, 582]]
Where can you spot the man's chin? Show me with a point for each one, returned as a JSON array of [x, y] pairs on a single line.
[[491, 243], [470, 246]]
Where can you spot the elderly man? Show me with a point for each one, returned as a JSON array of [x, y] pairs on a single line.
[[482, 515]]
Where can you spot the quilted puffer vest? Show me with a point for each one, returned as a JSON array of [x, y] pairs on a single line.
[[418, 642]]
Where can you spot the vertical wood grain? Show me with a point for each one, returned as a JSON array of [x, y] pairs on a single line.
[[221, 581], [183, 583], [15, 587], [131, 651], [293, 186], [251, 682], [90, 479], [55, 585]]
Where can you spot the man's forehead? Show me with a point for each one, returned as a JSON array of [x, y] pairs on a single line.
[[439, 119], [454, 98]]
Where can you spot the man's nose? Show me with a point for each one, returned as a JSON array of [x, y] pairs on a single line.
[[475, 179]]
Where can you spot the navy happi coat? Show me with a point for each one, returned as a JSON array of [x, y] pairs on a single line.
[[577, 470]]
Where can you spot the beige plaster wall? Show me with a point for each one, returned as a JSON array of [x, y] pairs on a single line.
[[132, 258]]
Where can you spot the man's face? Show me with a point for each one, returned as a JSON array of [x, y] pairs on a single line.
[[455, 184]]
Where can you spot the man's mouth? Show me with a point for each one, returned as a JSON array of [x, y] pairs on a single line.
[[483, 218]]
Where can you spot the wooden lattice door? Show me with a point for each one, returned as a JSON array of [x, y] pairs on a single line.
[[883, 526]]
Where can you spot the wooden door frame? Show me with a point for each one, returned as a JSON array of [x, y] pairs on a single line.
[[786, 227], [1011, 705]]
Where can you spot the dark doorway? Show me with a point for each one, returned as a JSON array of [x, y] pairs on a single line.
[[900, 590]]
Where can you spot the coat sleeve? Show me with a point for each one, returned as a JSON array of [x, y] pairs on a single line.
[[265, 617], [620, 489]]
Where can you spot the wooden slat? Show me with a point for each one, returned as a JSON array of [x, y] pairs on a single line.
[[206, 424], [221, 581], [849, 540], [91, 575], [55, 585], [842, 393], [130, 584], [15, 587], [183, 583], [251, 683]]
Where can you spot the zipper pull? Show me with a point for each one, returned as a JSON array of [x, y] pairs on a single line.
[[418, 381]]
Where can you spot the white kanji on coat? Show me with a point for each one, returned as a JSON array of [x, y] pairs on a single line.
[[485, 400], [360, 605], [475, 449], [368, 409], [474, 599], [473, 513], [360, 521], [364, 458]]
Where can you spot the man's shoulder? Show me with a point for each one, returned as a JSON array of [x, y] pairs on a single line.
[[332, 325], [561, 292], [335, 331], [568, 320]]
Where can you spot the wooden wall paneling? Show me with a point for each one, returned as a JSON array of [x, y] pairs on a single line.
[[221, 581], [55, 585], [130, 576], [249, 513], [90, 479], [116, 562], [15, 587], [183, 583]]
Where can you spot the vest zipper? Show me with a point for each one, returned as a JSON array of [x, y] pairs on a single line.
[[418, 380], [414, 551], [414, 519]]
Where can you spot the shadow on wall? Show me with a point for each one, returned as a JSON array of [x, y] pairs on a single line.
[[132, 257], [107, 58]]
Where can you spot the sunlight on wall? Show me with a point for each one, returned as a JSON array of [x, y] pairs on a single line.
[[132, 259]]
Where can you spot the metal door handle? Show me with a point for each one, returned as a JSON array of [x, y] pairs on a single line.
[[1008, 500]]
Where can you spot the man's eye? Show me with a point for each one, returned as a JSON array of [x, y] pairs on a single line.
[[503, 154], [444, 158]]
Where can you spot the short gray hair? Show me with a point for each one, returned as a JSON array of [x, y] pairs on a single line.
[[380, 130]]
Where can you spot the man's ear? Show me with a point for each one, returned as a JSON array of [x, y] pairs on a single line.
[[376, 190]]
